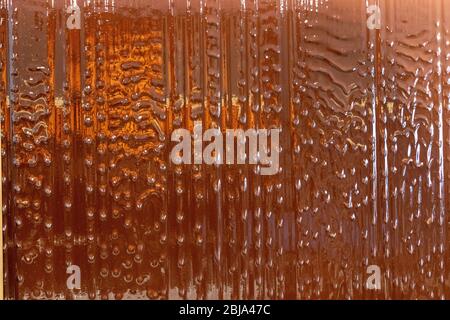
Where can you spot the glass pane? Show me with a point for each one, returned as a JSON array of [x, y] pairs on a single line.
[[341, 109]]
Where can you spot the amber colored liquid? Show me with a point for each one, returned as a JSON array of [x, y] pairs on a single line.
[[87, 117]]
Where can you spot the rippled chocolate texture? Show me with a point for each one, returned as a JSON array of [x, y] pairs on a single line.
[[94, 208]]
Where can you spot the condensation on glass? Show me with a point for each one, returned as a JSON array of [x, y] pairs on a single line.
[[88, 106]]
